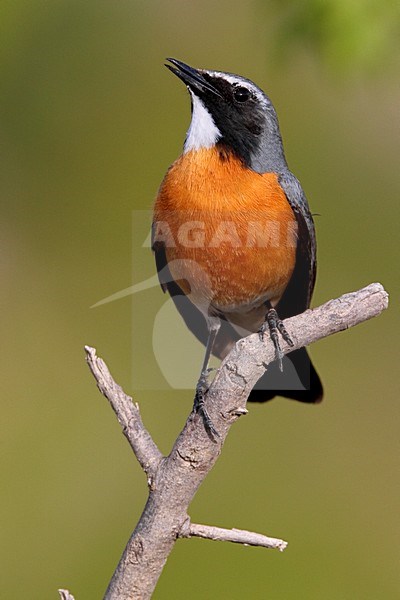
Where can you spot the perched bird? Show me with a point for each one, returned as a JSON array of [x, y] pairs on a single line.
[[233, 235]]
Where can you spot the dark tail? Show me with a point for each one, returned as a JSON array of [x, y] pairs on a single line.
[[298, 380]]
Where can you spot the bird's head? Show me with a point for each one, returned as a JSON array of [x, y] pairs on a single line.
[[231, 112]]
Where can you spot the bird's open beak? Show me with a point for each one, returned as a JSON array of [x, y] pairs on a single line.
[[193, 78]]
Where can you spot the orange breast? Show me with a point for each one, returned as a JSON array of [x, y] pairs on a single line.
[[230, 233]]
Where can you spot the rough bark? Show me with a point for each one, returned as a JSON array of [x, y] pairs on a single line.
[[174, 480]]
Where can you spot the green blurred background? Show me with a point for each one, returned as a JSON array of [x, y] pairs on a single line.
[[90, 120]]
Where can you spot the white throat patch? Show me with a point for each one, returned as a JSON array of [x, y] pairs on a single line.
[[202, 133]]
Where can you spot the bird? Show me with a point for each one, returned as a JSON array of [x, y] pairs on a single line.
[[233, 235]]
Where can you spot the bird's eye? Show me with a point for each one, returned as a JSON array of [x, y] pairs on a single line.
[[241, 94]]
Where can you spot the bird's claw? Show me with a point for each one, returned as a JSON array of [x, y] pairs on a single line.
[[275, 325], [200, 408]]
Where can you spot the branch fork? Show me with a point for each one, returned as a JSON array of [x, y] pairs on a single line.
[[174, 480]]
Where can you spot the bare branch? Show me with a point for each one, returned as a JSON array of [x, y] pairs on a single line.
[[176, 478], [65, 595], [250, 357], [238, 536], [128, 415]]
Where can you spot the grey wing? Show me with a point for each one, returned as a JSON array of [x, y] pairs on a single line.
[[297, 296], [299, 380]]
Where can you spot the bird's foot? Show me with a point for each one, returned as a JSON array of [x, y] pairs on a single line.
[[200, 408], [275, 325]]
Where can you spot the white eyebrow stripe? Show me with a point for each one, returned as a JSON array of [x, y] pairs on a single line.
[[237, 80]]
